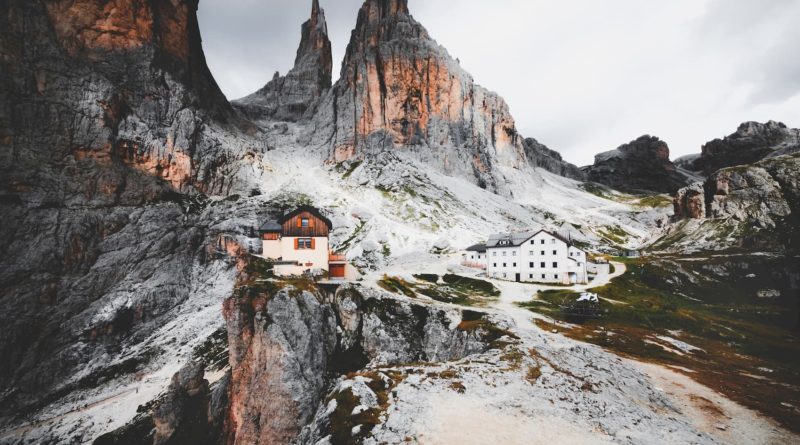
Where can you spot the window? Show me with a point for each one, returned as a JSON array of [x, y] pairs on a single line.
[[531, 276], [542, 265], [531, 266], [543, 276], [554, 252], [555, 276], [555, 265], [542, 242], [494, 265], [552, 241], [504, 264], [514, 265], [504, 274], [304, 243], [543, 253], [530, 253], [304, 222], [533, 241], [514, 253], [494, 253], [504, 253]]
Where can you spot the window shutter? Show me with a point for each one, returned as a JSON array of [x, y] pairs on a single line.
[[299, 222], [313, 244], [311, 222], [297, 244]]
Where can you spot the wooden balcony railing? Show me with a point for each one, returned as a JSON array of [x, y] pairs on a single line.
[[337, 257]]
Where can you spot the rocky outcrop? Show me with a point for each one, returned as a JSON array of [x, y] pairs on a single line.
[[752, 142], [762, 201], [294, 96], [287, 343], [757, 193], [110, 128], [400, 90], [690, 202], [539, 155], [640, 165], [188, 412]]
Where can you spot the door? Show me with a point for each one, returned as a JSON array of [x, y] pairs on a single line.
[[518, 278], [337, 270]]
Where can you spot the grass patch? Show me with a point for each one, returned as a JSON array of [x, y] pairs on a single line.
[[398, 286], [351, 169], [711, 303], [471, 285], [655, 201]]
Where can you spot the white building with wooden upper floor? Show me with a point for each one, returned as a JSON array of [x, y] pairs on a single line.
[[537, 257], [298, 242]]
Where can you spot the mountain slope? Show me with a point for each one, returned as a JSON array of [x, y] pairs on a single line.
[[110, 125]]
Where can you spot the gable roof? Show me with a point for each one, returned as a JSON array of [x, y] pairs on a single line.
[[480, 247], [519, 238], [509, 239], [276, 225], [312, 210]]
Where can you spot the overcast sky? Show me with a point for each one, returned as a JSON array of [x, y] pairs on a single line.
[[581, 76]]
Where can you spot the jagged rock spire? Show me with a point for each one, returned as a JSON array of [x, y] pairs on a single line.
[[296, 95]]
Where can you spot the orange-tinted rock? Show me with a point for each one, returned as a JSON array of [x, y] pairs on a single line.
[[101, 24], [398, 88]]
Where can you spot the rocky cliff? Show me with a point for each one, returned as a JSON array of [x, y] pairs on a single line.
[[539, 155], [294, 96], [751, 142], [755, 205], [111, 129], [400, 90], [640, 165]]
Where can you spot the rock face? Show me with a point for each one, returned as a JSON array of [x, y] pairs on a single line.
[[757, 193], [641, 165], [539, 155], [751, 142], [110, 124], [760, 201], [296, 95], [400, 90], [286, 343]]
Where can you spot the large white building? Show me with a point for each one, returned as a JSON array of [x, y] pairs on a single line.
[[538, 257]]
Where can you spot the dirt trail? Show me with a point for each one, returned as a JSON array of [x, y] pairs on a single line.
[[713, 413]]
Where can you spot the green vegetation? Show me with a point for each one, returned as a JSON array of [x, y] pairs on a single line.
[[343, 420], [471, 285], [351, 169], [397, 285], [711, 303], [615, 234], [458, 290], [655, 201], [598, 190]]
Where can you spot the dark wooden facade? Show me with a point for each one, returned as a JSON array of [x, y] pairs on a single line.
[[317, 227]]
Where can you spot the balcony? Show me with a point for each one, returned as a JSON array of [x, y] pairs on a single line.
[[337, 258]]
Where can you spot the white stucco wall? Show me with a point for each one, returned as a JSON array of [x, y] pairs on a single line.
[[542, 259]]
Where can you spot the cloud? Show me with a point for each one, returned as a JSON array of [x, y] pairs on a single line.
[[581, 76]]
